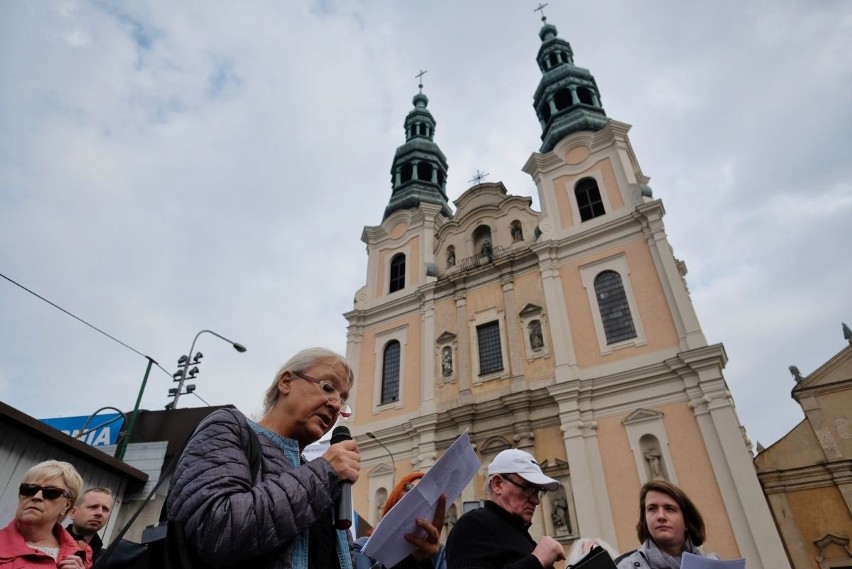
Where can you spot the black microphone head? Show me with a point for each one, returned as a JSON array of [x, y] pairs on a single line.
[[340, 434]]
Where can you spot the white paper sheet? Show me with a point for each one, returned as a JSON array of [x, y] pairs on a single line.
[[453, 471], [690, 561]]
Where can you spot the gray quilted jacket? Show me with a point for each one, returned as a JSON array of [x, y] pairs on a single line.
[[230, 519]]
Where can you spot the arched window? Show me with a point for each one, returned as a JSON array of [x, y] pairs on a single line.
[[397, 273], [424, 171], [615, 311], [407, 172], [562, 99], [552, 61], [390, 373], [585, 96], [588, 199]]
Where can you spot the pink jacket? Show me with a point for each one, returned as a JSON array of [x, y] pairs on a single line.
[[16, 554]]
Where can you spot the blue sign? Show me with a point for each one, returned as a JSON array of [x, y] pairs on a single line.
[[102, 430]]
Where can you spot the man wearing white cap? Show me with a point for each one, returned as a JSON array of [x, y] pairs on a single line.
[[496, 536]]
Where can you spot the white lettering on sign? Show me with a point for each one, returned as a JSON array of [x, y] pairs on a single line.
[[97, 438]]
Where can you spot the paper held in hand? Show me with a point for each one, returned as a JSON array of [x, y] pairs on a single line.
[[690, 561], [453, 471]]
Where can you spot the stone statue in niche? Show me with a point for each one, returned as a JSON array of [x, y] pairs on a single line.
[[655, 463], [486, 250], [559, 512], [380, 505], [450, 520], [451, 257], [447, 361], [517, 232], [536, 339]]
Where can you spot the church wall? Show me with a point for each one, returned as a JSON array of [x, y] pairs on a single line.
[[696, 476], [817, 512], [563, 199], [411, 248], [398, 231], [691, 470], [798, 448], [369, 375], [653, 311], [549, 444], [529, 290], [622, 480], [563, 188], [836, 414], [445, 321]]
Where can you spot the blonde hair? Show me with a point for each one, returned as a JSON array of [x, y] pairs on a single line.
[[53, 468], [301, 362]]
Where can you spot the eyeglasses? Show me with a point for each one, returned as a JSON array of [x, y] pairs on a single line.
[[529, 491], [48, 492], [331, 393]]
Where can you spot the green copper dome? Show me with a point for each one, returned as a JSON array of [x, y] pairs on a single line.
[[419, 170], [567, 99]]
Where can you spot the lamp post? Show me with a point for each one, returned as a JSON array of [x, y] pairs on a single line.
[[122, 435], [390, 454], [122, 447], [237, 346]]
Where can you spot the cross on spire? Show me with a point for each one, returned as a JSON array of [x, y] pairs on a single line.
[[420, 79], [541, 8], [478, 177]]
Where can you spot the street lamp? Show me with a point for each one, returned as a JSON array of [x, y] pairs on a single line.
[[188, 359], [390, 454], [121, 436]]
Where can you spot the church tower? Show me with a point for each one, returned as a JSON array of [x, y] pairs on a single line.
[[568, 333]]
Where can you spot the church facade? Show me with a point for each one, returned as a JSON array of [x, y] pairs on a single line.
[[807, 474], [567, 332]]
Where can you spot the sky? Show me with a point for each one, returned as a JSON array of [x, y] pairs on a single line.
[[171, 167]]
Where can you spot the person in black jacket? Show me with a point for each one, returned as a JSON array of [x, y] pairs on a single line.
[[496, 535], [88, 516]]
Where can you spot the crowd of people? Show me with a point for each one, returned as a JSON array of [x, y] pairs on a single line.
[[278, 511], [49, 492]]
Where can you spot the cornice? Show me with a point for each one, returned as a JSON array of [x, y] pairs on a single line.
[[805, 478]]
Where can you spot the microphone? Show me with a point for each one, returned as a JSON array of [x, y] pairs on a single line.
[[343, 517]]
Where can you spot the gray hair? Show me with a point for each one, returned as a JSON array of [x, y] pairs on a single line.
[[51, 469], [301, 362], [489, 492]]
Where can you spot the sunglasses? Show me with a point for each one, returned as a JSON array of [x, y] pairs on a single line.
[[48, 492], [408, 487]]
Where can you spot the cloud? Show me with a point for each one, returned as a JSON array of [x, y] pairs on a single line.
[[168, 168]]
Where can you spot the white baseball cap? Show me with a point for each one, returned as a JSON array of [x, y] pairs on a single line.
[[515, 461]]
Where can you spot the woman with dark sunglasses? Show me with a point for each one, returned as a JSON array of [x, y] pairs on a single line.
[[35, 538]]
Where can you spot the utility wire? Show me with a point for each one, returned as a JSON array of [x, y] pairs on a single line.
[[92, 326], [200, 397]]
